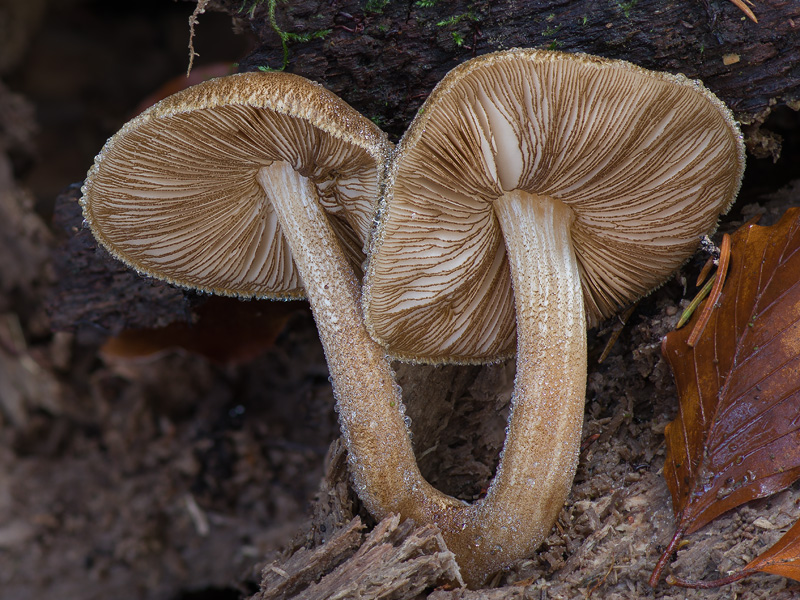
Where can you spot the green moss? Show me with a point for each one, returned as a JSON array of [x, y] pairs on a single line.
[[375, 6], [459, 25], [379, 120], [250, 7], [456, 19], [551, 31], [627, 6], [285, 36]]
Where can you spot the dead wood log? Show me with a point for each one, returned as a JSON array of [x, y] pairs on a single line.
[[385, 56]]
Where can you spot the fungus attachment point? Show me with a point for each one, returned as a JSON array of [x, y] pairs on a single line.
[[537, 192]]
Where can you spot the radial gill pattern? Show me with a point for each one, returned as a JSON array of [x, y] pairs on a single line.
[[645, 160], [174, 194]]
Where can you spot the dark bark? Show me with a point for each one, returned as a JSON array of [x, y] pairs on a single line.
[[385, 56], [386, 60], [97, 296]]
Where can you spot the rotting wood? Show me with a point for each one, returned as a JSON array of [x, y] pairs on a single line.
[[394, 560], [384, 57]]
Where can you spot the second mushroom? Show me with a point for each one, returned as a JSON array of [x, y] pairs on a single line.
[[534, 194]]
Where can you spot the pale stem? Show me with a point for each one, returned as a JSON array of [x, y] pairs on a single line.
[[544, 428], [368, 401], [544, 432]]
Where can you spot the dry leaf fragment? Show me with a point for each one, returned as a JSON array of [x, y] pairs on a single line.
[[730, 59], [225, 330], [746, 9], [783, 558], [737, 434]]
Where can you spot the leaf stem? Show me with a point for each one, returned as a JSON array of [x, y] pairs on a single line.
[[706, 585], [665, 556]]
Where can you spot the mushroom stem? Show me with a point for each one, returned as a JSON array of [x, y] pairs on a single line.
[[543, 437], [368, 401], [544, 429]]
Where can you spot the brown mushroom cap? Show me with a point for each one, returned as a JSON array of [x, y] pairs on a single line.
[[175, 193], [645, 160]]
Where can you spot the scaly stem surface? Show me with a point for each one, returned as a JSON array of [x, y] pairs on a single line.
[[544, 429], [368, 401], [543, 436]]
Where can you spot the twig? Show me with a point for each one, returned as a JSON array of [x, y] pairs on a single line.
[[623, 320], [716, 291], [746, 9]]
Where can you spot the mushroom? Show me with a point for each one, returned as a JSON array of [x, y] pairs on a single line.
[[265, 185], [536, 193]]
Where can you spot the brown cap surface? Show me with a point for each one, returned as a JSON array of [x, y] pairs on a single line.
[[645, 160], [174, 194]]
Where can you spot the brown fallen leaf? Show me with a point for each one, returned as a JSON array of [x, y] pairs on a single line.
[[737, 434], [783, 558]]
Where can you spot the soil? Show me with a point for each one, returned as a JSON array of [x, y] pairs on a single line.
[[194, 459]]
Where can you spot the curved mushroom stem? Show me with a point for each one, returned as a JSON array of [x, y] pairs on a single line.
[[543, 436], [368, 401], [544, 430]]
